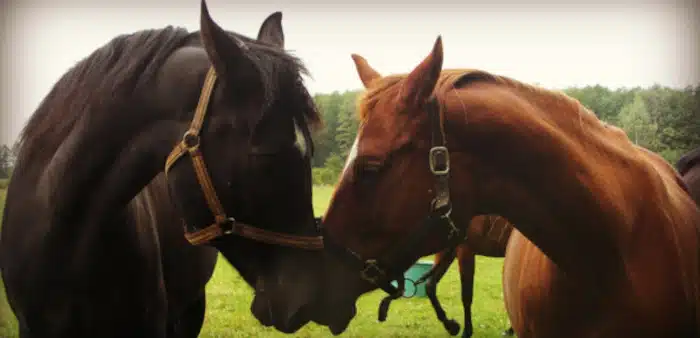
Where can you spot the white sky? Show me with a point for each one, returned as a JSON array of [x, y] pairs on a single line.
[[627, 43]]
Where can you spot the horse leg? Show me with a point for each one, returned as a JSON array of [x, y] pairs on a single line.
[[189, 322], [466, 261], [431, 290]]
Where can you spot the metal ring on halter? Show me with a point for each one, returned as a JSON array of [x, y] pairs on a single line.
[[190, 139], [228, 226], [371, 264], [444, 210]]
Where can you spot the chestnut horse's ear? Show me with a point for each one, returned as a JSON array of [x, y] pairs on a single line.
[[271, 30], [420, 83], [227, 53], [366, 72]]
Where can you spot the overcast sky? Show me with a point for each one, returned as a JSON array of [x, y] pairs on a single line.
[[625, 43]]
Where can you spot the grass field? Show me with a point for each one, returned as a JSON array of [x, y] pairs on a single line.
[[228, 304]]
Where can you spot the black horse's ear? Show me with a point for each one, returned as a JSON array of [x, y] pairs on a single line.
[[271, 30], [227, 54]]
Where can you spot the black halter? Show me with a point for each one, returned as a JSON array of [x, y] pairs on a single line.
[[380, 271]]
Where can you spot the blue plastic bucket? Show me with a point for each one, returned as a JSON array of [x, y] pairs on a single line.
[[415, 272]]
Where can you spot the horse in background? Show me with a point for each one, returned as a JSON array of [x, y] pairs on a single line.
[[689, 168], [437, 147], [486, 236], [113, 218]]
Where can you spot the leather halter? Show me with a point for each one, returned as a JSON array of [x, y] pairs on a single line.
[[380, 271], [223, 224]]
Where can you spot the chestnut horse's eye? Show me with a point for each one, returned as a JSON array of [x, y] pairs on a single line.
[[368, 168]]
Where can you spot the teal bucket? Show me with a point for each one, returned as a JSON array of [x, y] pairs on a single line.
[[415, 272]]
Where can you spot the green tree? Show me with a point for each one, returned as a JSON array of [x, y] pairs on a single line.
[[636, 120], [347, 124]]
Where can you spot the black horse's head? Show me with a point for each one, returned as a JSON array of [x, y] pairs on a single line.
[[242, 180]]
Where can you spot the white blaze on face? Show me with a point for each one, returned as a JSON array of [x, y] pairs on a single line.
[[352, 155], [300, 140]]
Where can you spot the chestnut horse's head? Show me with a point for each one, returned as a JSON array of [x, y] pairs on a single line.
[[400, 135]]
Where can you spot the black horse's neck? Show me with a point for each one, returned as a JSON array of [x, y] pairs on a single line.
[[113, 158], [110, 97]]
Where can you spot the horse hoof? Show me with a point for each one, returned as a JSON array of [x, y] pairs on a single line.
[[452, 327], [509, 332]]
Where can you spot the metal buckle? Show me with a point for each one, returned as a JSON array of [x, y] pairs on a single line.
[[434, 153], [371, 264], [228, 226]]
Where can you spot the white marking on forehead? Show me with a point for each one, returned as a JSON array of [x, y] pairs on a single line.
[[352, 155], [300, 140]]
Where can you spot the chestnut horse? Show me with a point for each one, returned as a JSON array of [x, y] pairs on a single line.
[[689, 167], [152, 130], [607, 241], [486, 236]]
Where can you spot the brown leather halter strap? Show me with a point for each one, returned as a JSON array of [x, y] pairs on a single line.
[[223, 224]]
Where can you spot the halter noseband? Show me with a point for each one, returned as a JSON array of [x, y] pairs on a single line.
[[223, 224]]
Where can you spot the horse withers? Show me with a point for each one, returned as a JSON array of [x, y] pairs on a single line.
[[606, 242], [93, 242]]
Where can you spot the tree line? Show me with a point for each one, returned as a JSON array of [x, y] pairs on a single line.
[[662, 119]]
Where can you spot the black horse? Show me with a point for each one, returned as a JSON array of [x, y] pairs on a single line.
[[93, 242]]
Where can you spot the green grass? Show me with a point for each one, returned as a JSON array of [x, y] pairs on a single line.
[[228, 304], [8, 324]]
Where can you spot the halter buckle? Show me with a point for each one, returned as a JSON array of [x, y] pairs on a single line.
[[439, 155], [371, 264]]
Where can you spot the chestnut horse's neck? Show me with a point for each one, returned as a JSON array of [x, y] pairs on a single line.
[[590, 199]]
